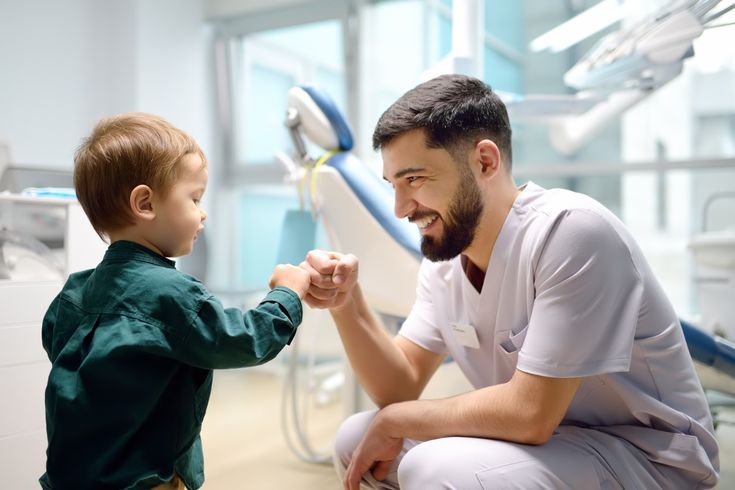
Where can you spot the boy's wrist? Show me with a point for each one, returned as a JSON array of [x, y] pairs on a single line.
[[282, 287], [288, 288], [289, 299]]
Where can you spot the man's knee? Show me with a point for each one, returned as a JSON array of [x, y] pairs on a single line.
[[475, 463], [432, 464], [348, 436]]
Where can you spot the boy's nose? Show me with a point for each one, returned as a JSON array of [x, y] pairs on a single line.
[[204, 214]]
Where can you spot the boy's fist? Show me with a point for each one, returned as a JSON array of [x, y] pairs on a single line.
[[292, 277]]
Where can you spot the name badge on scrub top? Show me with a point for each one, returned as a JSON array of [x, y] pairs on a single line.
[[466, 335]]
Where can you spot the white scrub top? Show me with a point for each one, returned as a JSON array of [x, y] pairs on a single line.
[[568, 293]]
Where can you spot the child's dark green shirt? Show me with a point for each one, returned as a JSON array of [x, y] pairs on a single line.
[[132, 345]]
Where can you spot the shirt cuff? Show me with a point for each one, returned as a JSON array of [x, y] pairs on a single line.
[[287, 298]]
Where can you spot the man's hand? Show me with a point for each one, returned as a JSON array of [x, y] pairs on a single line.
[[376, 451], [333, 275]]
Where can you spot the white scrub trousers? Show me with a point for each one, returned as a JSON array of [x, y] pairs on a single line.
[[574, 458]]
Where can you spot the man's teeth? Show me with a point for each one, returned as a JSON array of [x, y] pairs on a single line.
[[424, 222]]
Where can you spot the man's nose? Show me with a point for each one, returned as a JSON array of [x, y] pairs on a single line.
[[404, 204]]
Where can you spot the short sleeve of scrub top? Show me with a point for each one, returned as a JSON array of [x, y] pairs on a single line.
[[588, 296], [420, 326]]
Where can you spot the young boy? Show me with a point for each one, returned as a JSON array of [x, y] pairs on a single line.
[[133, 342]]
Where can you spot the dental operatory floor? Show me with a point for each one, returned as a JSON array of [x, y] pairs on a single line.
[[244, 446]]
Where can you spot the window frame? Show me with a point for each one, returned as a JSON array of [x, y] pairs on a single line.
[[231, 179]]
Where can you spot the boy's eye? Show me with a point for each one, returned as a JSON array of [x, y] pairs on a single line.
[[413, 178]]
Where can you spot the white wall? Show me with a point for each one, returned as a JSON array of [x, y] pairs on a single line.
[[64, 65], [174, 72]]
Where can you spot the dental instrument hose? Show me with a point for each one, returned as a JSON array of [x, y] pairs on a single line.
[[300, 444], [302, 447]]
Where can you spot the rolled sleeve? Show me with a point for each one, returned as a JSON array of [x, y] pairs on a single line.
[[289, 300]]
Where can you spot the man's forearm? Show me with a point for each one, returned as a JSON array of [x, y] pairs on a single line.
[[526, 410], [472, 415], [380, 366]]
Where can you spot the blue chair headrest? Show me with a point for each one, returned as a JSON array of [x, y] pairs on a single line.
[[340, 126]]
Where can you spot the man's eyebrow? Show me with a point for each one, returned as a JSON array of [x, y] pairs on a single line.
[[405, 171]]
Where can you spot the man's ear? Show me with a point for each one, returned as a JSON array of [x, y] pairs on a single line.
[[487, 156], [141, 202]]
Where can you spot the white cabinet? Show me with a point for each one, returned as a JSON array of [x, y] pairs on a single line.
[[24, 299], [24, 369]]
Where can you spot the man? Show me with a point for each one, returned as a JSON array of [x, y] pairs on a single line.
[[581, 373]]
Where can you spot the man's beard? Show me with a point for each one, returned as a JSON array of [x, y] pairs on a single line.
[[463, 216]]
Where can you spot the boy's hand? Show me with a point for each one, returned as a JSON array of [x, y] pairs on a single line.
[[333, 275], [292, 277]]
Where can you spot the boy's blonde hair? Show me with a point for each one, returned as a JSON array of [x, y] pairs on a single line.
[[123, 152]]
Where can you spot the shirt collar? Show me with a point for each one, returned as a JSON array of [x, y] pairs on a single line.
[[123, 249]]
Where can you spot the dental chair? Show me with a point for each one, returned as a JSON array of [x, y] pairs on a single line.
[[355, 207], [354, 204]]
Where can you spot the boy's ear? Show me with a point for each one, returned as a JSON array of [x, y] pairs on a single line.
[[141, 202]]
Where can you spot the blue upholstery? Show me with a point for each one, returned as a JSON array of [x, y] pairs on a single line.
[[340, 126], [709, 349]]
